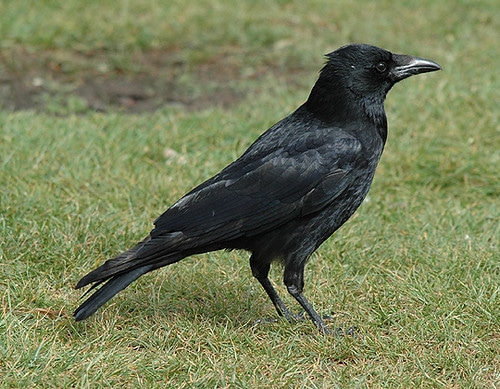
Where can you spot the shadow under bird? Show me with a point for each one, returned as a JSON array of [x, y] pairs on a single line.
[[292, 189]]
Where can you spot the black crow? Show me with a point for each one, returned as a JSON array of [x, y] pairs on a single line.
[[293, 187]]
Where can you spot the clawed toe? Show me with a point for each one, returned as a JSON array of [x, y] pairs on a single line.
[[351, 331], [266, 320]]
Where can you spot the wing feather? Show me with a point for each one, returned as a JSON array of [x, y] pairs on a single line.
[[257, 193]]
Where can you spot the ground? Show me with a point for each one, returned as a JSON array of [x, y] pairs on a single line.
[[62, 81]]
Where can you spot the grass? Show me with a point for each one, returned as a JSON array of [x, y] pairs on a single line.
[[416, 271]]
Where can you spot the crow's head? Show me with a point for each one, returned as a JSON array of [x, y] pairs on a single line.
[[360, 75], [368, 70]]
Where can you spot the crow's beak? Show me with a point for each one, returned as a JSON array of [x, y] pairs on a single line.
[[407, 66]]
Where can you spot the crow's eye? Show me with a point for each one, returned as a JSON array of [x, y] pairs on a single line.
[[381, 67]]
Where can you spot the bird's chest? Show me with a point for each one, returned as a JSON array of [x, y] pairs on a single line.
[[343, 207]]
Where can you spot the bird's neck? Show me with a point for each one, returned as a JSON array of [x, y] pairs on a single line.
[[330, 107], [338, 108], [373, 108]]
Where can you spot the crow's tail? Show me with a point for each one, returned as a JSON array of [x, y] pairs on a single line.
[[107, 291], [119, 272]]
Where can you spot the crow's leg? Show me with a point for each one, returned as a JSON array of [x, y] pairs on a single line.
[[317, 320], [294, 281], [260, 271]]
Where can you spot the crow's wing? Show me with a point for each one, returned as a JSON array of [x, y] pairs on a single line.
[[259, 192]]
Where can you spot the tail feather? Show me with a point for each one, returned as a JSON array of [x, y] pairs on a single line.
[[107, 291], [121, 271], [159, 251], [112, 267]]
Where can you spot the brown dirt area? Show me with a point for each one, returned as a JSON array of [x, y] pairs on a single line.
[[61, 81]]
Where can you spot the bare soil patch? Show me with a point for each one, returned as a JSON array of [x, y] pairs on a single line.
[[62, 81]]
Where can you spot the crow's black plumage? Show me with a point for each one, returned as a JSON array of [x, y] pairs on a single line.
[[293, 187]]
